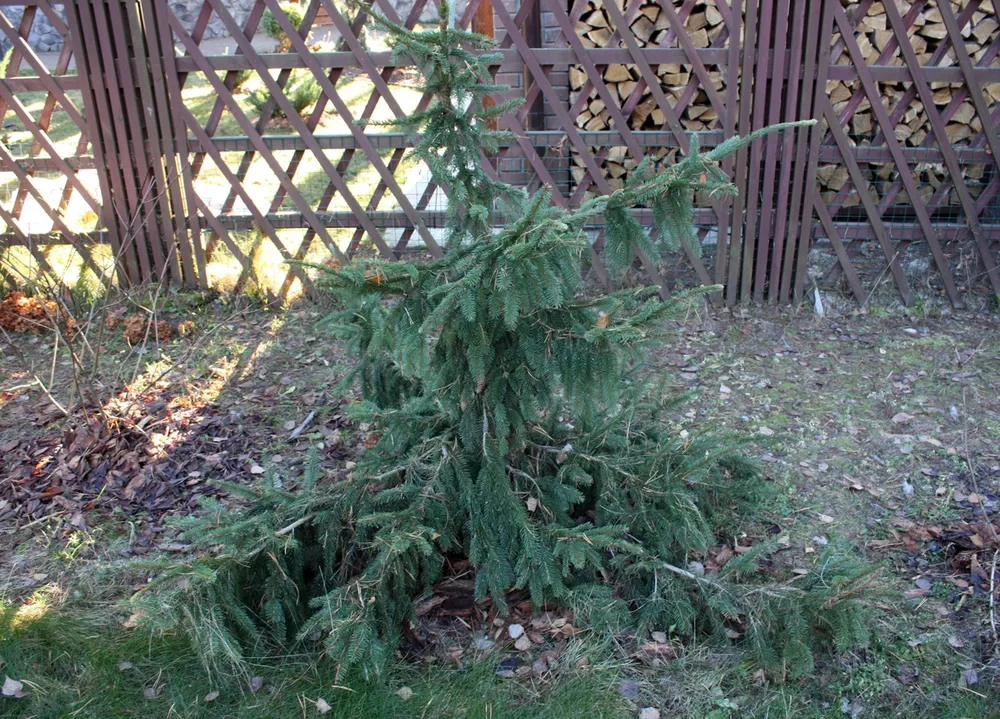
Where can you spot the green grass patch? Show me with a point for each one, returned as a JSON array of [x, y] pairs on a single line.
[[79, 666]]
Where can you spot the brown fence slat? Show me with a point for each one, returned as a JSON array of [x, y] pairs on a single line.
[[186, 234], [799, 223], [89, 67], [937, 125], [778, 88], [125, 198], [175, 148], [759, 73], [797, 87], [892, 254], [195, 53], [867, 80], [112, 36], [162, 255], [972, 87], [813, 138], [741, 202]]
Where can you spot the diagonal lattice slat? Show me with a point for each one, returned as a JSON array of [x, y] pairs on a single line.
[[915, 136], [37, 212]]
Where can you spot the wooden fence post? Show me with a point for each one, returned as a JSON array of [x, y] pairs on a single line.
[[125, 60], [482, 22]]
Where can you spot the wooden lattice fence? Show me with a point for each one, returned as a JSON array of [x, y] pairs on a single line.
[[151, 153]]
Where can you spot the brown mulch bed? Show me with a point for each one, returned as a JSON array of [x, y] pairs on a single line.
[[156, 454]]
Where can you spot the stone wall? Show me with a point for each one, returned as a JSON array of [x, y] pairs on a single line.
[[188, 10], [45, 38]]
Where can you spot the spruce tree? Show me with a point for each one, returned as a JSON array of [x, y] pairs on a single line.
[[509, 425]]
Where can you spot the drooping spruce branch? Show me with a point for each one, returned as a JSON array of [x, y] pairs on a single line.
[[455, 131], [513, 428]]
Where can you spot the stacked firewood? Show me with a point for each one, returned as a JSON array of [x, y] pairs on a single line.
[[912, 128], [650, 27], [622, 80], [873, 35]]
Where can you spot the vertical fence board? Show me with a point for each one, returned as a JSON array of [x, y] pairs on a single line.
[[813, 136]]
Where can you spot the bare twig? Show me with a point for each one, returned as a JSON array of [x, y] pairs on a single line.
[[986, 519], [298, 430], [993, 595], [28, 367], [295, 525]]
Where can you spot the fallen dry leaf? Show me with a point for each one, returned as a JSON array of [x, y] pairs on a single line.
[[628, 688], [667, 651], [968, 678], [908, 674], [211, 696], [12, 688], [20, 313]]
